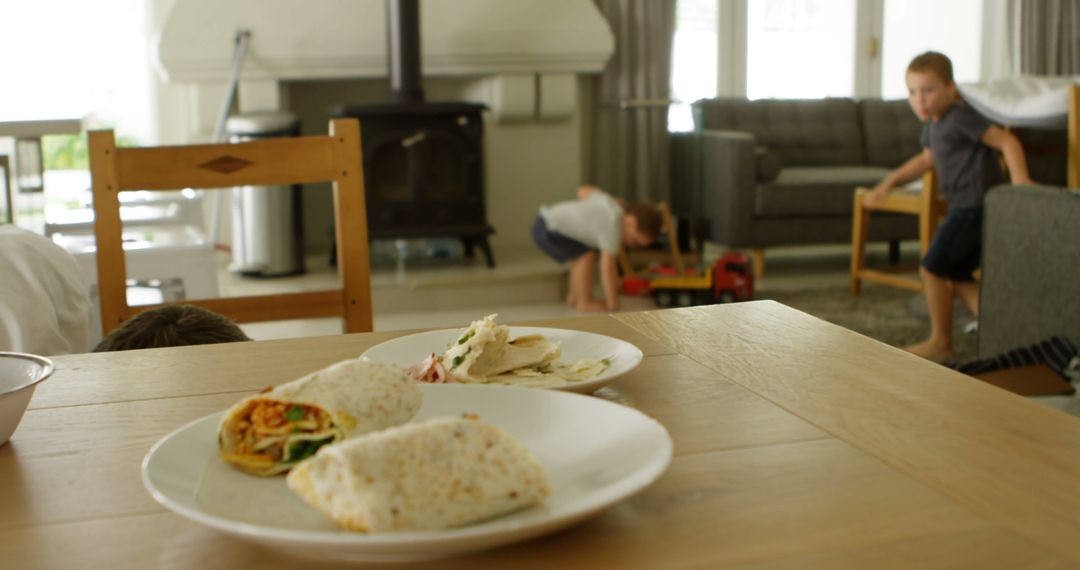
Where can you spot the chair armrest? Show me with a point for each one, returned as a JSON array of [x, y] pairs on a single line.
[[713, 183]]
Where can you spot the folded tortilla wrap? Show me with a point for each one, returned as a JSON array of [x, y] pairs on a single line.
[[437, 474], [485, 350], [268, 433]]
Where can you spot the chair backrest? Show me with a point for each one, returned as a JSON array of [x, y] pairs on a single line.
[[335, 158], [932, 208]]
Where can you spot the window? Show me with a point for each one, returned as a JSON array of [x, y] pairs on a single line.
[[800, 48], [954, 29], [693, 59], [795, 49], [72, 57], [67, 59]]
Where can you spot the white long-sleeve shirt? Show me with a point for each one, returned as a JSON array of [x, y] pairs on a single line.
[[44, 301]]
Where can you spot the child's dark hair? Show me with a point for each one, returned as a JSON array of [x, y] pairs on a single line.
[[935, 62], [648, 218], [172, 325]]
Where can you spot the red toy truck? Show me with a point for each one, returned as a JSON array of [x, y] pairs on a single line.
[[728, 280]]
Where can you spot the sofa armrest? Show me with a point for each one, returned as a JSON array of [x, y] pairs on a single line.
[[713, 183]]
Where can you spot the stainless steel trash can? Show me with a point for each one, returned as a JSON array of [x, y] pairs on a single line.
[[267, 221]]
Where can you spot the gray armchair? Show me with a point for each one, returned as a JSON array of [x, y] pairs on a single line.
[[1030, 285]]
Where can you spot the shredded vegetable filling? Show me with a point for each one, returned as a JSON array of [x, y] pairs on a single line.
[[277, 431]]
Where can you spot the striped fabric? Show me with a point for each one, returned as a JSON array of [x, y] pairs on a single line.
[[1056, 352]]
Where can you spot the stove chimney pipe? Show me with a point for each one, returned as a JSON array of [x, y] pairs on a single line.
[[403, 49]]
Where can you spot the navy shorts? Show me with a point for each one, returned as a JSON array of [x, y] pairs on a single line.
[[558, 246], [954, 253]]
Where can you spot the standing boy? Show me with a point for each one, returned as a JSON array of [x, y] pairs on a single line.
[[575, 230], [960, 144]]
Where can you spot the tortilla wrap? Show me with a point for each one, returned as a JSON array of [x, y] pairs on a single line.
[[268, 433], [485, 350], [438, 474]]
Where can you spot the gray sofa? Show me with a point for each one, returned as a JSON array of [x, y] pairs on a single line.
[[763, 173], [1030, 285]]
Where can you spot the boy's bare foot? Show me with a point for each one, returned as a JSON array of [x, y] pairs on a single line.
[[591, 306], [571, 299], [932, 350]]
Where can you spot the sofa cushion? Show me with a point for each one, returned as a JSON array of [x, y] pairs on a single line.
[[815, 191], [891, 131], [818, 132], [766, 164]]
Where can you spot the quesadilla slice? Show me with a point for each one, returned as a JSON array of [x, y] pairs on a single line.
[[269, 433], [438, 474]]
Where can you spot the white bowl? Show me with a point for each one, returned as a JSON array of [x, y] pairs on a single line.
[[19, 373]]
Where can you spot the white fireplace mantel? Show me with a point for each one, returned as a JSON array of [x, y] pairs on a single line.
[[324, 39], [521, 58]]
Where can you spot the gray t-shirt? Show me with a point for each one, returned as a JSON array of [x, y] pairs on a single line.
[[595, 221], [966, 167]]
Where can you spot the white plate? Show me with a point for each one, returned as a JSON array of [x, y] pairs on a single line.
[[408, 350], [596, 452]]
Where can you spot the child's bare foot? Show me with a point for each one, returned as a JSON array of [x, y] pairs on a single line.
[[932, 350], [571, 299], [591, 306]]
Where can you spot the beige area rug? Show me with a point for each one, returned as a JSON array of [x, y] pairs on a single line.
[[893, 316]]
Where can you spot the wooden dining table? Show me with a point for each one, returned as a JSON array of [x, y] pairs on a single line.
[[797, 444]]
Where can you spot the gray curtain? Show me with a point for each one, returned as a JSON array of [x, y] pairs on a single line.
[[1048, 34], [629, 138]]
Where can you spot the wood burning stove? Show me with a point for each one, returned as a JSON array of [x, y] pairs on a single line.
[[423, 162]]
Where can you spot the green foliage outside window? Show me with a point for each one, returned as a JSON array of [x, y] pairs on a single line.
[[69, 152]]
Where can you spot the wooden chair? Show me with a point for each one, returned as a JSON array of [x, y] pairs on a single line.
[[9, 200], [334, 158], [925, 204], [1074, 136]]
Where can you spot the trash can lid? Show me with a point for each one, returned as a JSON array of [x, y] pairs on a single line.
[[263, 123]]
